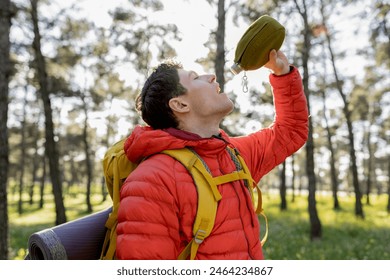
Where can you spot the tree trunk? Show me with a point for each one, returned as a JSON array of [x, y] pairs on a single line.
[[5, 69], [50, 144], [220, 60], [36, 160], [369, 167], [371, 156], [352, 153], [42, 186], [107, 144], [315, 223], [73, 180], [388, 185], [347, 113], [103, 189], [293, 177], [22, 161], [332, 163], [283, 188], [87, 156], [220, 40]]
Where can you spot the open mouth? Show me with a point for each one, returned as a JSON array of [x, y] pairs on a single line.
[[218, 89]]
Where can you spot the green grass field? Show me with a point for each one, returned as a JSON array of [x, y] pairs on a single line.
[[344, 237], [34, 219]]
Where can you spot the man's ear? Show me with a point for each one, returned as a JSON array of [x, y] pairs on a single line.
[[178, 105]]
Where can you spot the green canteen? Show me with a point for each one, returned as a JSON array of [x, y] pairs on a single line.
[[259, 39]]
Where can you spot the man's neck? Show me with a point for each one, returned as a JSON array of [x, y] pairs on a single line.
[[205, 133], [204, 129]]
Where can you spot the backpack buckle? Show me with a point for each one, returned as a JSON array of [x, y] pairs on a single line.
[[199, 236]]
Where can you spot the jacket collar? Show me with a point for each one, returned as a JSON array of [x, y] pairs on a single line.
[[145, 141]]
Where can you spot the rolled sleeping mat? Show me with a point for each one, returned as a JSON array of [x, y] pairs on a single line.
[[81, 239]]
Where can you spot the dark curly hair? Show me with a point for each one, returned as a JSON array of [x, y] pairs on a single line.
[[153, 101]]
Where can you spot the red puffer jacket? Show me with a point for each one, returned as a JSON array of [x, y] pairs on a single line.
[[159, 199]]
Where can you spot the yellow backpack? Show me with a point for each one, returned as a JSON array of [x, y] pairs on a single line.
[[117, 167]]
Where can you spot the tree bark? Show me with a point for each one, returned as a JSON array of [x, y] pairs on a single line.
[[35, 163], [293, 177], [388, 185], [87, 155], [371, 157], [22, 161], [347, 113], [5, 69], [283, 188], [332, 163], [315, 223], [42, 183], [220, 40], [369, 168], [50, 144]]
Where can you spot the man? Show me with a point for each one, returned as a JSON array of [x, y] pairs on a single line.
[[159, 200]]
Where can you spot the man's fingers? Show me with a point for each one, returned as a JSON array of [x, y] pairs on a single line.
[[271, 59], [272, 55]]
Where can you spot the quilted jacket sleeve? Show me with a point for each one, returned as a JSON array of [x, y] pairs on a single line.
[[265, 149], [148, 215]]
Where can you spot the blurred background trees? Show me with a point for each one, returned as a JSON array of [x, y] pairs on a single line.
[[5, 71], [69, 94]]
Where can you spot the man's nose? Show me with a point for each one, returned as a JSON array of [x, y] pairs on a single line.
[[211, 78]]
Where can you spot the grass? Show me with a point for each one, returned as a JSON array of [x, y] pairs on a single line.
[[344, 237], [34, 219]]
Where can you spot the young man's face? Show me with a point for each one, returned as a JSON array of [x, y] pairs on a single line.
[[203, 95]]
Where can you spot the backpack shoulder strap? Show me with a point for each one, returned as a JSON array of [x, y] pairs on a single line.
[[252, 186], [208, 197]]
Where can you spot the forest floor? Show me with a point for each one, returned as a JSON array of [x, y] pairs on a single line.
[[344, 236]]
